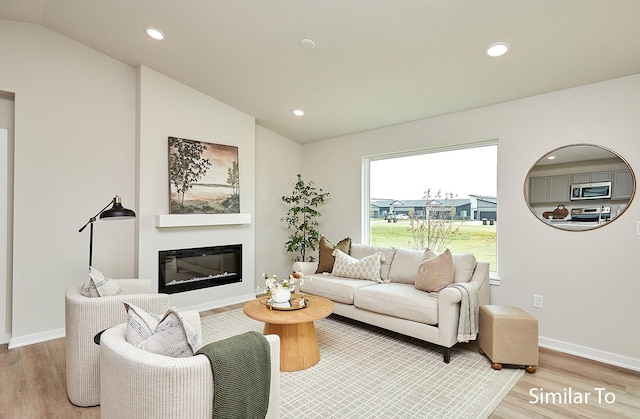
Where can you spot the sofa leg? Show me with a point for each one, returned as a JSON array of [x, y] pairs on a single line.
[[446, 352]]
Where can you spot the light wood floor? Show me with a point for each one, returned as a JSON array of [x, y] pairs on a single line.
[[32, 386]]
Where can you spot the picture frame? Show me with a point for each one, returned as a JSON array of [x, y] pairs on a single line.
[[204, 178]]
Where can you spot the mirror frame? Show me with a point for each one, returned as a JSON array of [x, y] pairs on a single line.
[[568, 226]]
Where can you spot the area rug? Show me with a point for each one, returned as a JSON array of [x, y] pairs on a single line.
[[368, 372]]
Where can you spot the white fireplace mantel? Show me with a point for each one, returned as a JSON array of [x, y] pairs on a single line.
[[198, 220]]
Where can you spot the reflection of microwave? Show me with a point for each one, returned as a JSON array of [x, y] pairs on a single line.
[[595, 190]]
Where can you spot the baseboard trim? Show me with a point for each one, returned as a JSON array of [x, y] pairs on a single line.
[[36, 338], [590, 353]]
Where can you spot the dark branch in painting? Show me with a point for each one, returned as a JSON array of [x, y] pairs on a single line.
[[233, 178], [186, 164]]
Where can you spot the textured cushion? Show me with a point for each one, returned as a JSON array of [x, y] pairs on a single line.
[[350, 267], [325, 254], [360, 251], [463, 267], [404, 268], [403, 301], [435, 271], [339, 290], [97, 285], [168, 335]]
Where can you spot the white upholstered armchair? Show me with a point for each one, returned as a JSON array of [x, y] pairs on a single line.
[[137, 384], [84, 318]]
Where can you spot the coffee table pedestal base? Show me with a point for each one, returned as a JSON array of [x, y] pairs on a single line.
[[298, 345]]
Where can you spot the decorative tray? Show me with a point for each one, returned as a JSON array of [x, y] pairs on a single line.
[[296, 302]]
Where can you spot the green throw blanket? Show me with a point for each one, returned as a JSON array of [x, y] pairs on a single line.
[[241, 367]]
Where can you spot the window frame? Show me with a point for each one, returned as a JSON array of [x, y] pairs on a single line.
[[366, 186]]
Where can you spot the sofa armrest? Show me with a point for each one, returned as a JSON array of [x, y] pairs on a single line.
[[307, 268], [480, 279], [449, 304]]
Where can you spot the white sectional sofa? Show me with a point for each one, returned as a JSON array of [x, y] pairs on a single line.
[[393, 302]]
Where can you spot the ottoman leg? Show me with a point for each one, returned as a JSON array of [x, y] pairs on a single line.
[[530, 369], [496, 366]]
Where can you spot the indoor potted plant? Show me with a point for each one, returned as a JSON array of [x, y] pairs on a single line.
[[302, 218]]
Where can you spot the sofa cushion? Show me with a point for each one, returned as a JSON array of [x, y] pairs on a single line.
[[166, 335], [349, 267], [404, 268], [325, 253], [463, 267], [435, 271], [403, 301], [405, 264], [339, 290], [360, 251]]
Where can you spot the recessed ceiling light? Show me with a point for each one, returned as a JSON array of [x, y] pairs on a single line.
[[155, 33], [308, 43], [497, 49], [298, 112]]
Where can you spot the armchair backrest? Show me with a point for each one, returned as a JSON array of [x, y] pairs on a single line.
[[137, 384], [84, 318]]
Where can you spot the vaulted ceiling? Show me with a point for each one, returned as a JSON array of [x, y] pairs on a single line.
[[375, 62]]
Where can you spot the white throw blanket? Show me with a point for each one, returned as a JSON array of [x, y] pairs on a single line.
[[468, 323]]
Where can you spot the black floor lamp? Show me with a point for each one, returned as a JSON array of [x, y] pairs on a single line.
[[117, 211]]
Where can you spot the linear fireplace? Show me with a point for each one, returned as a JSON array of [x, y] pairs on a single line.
[[190, 269]]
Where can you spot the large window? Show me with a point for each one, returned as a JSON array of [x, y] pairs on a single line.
[[437, 199]]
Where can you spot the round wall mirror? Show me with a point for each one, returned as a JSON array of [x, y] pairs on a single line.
[[579, 187]]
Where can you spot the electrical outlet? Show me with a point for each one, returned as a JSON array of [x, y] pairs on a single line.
[[537, 301], [637, 228]]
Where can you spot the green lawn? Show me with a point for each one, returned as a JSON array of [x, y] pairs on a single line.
[[471, 238]]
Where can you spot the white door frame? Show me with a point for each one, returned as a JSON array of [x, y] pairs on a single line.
[[5, 308]]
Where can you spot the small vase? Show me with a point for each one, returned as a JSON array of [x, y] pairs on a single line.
[[281, 296]]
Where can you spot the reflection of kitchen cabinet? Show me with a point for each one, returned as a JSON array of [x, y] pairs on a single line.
[[552, 189], [622, 184], [591, 177]]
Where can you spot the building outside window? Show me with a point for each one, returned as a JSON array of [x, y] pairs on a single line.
[[456, 188]]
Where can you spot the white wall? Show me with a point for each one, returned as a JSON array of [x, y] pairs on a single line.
[[74, 150], [588, 279], [277, 164], [168, 108]]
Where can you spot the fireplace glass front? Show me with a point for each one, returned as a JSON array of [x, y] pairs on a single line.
[[190, 269]]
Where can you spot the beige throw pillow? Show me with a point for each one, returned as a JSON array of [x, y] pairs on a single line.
[[365, 268], [325, 254], [435, 271]]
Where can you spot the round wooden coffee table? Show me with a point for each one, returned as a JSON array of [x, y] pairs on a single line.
[[298, 342]]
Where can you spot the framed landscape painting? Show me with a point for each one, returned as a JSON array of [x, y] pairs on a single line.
[[203, 177]]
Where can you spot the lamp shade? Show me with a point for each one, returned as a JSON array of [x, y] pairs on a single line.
[[117, 210]]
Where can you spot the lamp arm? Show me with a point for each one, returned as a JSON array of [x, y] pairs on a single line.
[[93, 219]]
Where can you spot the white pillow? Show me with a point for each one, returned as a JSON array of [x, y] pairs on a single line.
[[97, 285], [350, 267], [166, 335]]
